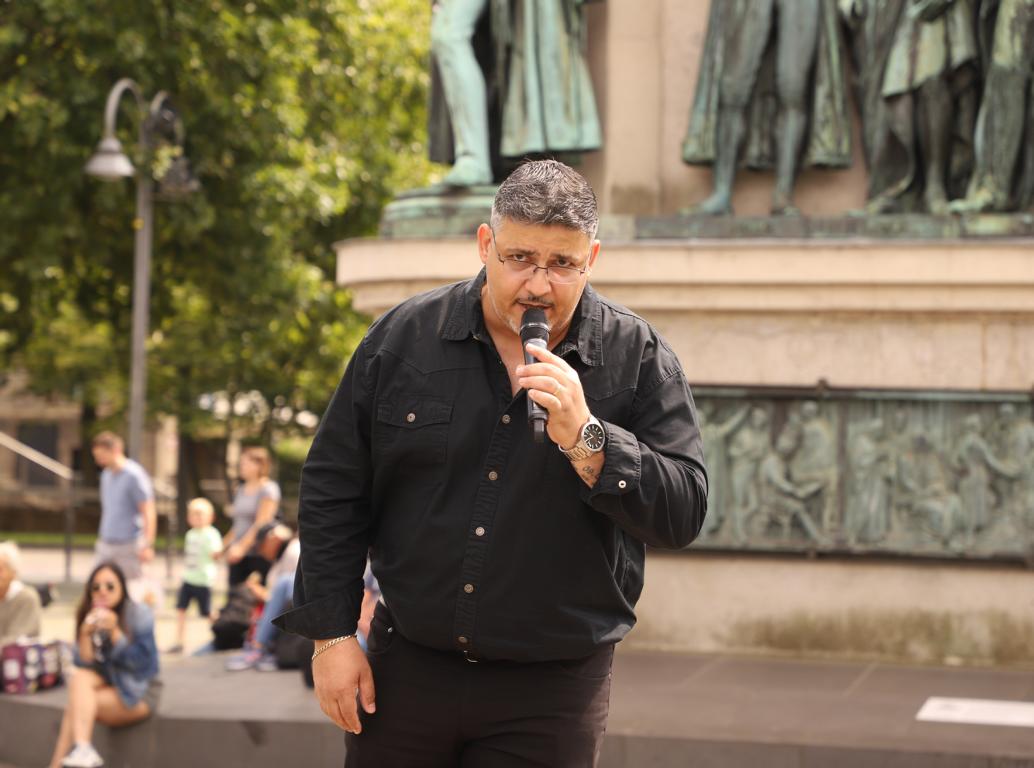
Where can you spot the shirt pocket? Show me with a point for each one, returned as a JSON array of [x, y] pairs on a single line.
[[413, 429]]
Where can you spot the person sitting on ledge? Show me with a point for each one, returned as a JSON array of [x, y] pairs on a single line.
[[20, 611], [116, 677], [278, 544]]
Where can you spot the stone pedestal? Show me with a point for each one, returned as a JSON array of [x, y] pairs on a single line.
[[828, 301], [850, 311], [437, 212]]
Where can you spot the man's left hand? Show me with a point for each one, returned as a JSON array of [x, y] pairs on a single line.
[[555, 385], [147, 554]]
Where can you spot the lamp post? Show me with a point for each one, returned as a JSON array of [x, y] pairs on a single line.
[[158, 120]]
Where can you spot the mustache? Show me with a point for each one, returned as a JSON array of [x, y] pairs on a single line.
[[536, 301]]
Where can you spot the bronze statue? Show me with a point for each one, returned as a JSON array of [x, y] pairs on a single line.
[[1004, 123], [508, 83], [777, 99], [917, 68]]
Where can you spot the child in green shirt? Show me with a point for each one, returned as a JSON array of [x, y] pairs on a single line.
[[203, 545]]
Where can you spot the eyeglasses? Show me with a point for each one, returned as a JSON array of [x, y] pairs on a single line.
[[520, 265], [107, 586]]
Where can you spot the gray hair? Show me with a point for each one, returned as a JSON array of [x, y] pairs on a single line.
[[547, 192], [9, 555]]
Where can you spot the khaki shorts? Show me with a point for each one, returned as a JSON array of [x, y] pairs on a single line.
[[125, 554]]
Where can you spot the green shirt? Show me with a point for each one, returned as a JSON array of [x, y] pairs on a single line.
[[198, 564]]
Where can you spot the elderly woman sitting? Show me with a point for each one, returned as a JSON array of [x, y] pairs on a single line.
[[20, 610]]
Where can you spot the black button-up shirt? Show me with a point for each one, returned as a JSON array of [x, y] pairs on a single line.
[[482, 540]]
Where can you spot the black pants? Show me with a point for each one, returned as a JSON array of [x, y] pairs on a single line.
[[244, 567], [435, 709]]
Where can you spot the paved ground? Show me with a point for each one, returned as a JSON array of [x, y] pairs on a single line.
[[666, 710]]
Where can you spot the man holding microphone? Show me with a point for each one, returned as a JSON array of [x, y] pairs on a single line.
[[509, 568]]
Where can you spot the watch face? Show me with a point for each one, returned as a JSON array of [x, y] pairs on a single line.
[[594, 437]]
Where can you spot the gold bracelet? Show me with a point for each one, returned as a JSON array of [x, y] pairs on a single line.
[[335, 641]]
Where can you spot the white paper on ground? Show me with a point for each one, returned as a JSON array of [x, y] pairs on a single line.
[[938, 709]]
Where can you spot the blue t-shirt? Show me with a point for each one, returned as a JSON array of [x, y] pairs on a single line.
[[122, 491]]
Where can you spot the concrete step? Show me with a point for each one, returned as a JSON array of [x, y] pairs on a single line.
[[667, 710]]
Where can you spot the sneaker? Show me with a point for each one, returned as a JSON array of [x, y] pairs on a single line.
[[175, 649], [242, 661], [267, 663], [83, 756]]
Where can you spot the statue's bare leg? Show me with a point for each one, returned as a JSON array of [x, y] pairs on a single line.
[[452, 30], [798, 36], [732, 128], [934, 129], [746, 35]]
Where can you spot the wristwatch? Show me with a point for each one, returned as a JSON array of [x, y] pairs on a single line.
[[590, 441]]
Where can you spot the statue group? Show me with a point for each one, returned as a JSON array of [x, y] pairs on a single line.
[[509, 80], [942, 88], [907, 477]]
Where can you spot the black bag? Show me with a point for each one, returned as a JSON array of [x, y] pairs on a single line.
[[231, 628], [291, 650]]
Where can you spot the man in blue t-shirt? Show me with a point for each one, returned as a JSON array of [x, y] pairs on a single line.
[[128, 519]]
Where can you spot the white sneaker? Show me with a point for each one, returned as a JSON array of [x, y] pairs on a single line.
[[83, 756]]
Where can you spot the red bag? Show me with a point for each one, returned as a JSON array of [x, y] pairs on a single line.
[[29, 665]]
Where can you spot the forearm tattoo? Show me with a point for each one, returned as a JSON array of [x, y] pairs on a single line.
[[589, 474]]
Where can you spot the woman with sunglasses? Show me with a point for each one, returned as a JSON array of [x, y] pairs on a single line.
[[116, 677]]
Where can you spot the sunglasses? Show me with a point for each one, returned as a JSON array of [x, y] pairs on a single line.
[[107, 586]]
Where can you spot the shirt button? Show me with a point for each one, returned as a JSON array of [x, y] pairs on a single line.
[[493, 475], [463, 639], [468, 588], [410, 417], [479, 531], [622, 484], [506, 418]]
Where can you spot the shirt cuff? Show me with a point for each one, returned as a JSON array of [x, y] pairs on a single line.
[[622, 464], [328, 617]]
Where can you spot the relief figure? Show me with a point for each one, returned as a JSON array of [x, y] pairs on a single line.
[[867, 518], [746, 450], [782, 499], [975, 462], [714, 437], [815, 462]]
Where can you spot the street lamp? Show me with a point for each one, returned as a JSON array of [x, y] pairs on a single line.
[[158, 121]]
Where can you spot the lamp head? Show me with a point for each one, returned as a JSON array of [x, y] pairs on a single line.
[[179, 180], [109, 162]]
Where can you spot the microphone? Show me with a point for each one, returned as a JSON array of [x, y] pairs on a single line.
[[535, 330]]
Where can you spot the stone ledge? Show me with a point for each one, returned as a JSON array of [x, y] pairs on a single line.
[[754, 276], [667, 710]]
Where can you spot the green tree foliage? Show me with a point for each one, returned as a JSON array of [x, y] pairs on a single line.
[[302, 118]]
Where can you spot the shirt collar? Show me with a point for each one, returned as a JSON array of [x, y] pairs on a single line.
[[585, 336]]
